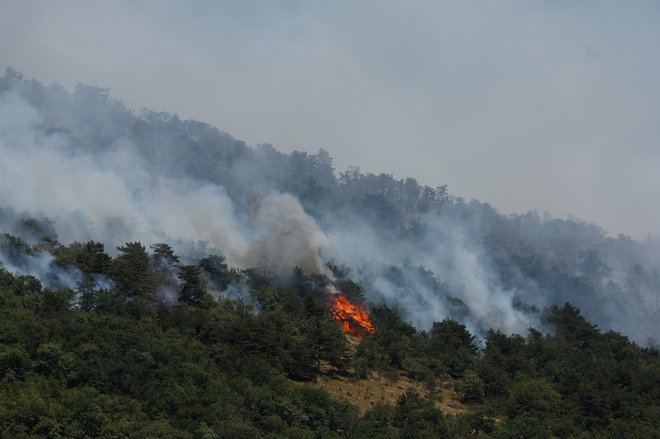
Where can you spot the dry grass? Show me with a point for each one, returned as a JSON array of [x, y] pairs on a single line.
[[384, 388], [365, 393]]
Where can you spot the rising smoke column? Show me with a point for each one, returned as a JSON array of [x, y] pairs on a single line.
[[286, 236], [114, 197]]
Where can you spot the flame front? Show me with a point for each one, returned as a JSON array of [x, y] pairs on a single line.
[[352, 318]]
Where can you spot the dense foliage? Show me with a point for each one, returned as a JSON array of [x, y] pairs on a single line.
[[129, 362]]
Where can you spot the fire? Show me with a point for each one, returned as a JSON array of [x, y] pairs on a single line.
[[353, 318]]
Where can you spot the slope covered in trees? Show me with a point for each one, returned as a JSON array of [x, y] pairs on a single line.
[[128, 362], [160, 279]]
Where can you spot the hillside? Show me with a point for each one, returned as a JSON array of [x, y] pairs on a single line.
[[200, 190], [123, 363], [159, 278]]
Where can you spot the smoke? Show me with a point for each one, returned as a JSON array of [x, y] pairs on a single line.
[[286, 237], [113, 197], [441, 274], [93, 171], [40, 265], [237, 291]]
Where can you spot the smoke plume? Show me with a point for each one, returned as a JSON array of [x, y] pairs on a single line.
[[88, 169]]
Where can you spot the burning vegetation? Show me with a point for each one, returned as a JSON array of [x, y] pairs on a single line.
[[352, 317]]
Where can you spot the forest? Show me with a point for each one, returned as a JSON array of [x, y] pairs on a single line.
[[124, 362], [162, 279]]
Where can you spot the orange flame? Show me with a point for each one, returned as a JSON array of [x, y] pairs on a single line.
[[352, 318]]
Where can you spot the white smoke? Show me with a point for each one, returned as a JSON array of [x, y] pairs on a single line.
[[112, 197], [286, 236], [447, 253], [40, 265]]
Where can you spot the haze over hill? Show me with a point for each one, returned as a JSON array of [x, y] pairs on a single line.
[[79, 166], [526, 105]]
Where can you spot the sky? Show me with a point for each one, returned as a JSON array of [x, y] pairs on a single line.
[[546, 105]]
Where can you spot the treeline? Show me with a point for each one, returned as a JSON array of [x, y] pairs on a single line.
[[142, 345]]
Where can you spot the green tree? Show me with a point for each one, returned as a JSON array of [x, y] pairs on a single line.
[[472, 388], [325, 341], [131, 271], [192, 290], [216, 271], [571, 325], [377, 423], [535, 397], [92, 259], [165, 267], [418, 417], [503, 358], [453, 344]]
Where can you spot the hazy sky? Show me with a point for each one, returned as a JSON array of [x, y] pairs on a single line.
[[548, 105]]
